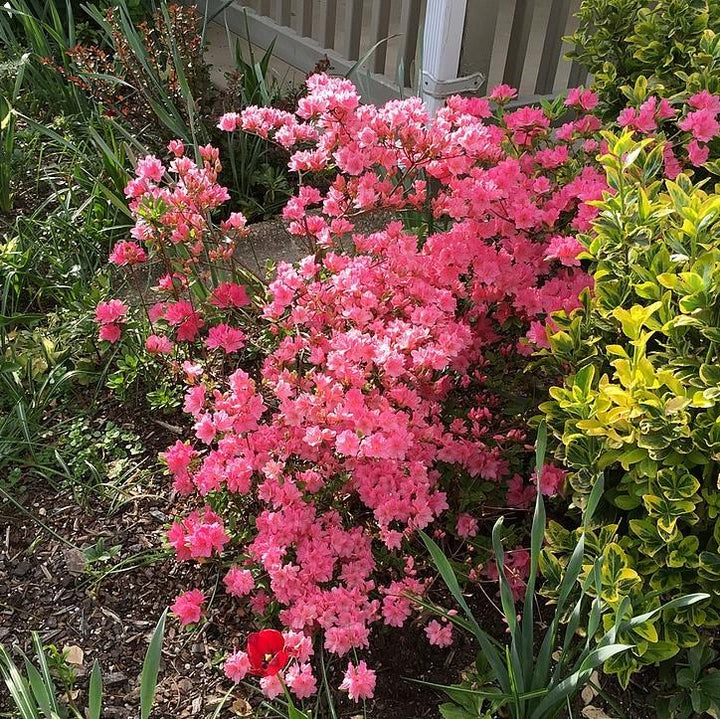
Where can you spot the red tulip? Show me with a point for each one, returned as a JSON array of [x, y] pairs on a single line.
[[266, 652]]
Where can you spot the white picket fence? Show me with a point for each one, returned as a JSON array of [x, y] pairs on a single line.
[[436, 47]]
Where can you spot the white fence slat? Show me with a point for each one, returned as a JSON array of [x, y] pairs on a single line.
[[578, 74], [410, 30], [296, 51], [479, 37], [442, 38], [328, 36], [353, 27], [306, 18], [559, 12], [380, 27], [519, 37], [283, 12]]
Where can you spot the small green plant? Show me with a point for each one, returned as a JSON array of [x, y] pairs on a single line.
[[671, 44], [33, 692], [694, 686], [7, 138], [60, 669], [527, 683]]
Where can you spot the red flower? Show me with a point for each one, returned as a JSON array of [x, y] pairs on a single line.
[[266, 652]]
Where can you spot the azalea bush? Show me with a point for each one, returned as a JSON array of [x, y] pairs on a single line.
[[377, 387], [640, 401]]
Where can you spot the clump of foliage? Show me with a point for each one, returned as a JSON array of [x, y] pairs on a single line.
[[33, 691], [641, 401], [151, 69], [358, 415], [692, 686], [359, 396], [671, 44], [524, 682]]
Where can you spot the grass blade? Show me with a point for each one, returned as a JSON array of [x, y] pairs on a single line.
[[448, 575], [95, 692], [151, 666]]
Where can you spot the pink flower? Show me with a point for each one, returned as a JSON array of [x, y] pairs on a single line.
[[236, 221], [467, 526], [527, 123], [237, 666], [109, 312], [565, 249], [502, 94], [156, 344], [225, 337], [440, 635], [519, 494], [359, 681], [552, 479], [239, 582], [229, 294], [537, 334], [672, 165], [301, 681], [127, 253], [703, 100], [702, 124], [150, 168], [188, 606], [272, 686], [582, 99], [229, 121], [110, 333], [698, 154], [198, 536], [176, 147]]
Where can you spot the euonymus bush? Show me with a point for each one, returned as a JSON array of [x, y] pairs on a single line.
[[640, 403], [672, 44]]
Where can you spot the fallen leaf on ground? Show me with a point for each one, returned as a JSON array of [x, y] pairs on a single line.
[[591, 712], [242, 708], [73, 655]]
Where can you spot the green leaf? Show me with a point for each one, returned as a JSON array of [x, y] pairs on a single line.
[[95, 692], [454, 711], [486, 642], [151, 666], [45, 671]]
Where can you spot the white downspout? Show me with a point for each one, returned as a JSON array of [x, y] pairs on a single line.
[[442, 42]]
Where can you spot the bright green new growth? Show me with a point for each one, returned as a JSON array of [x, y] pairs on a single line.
[[35, 696], [530, 684], [640, 404]]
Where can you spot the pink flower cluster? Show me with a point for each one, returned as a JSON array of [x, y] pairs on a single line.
[[110, 316], [172, 207], [698, 121], [389, 388]]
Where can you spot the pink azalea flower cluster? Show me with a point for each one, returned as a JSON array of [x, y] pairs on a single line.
[[110, 316], [698, 121], [387, 391], [172, 205]]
